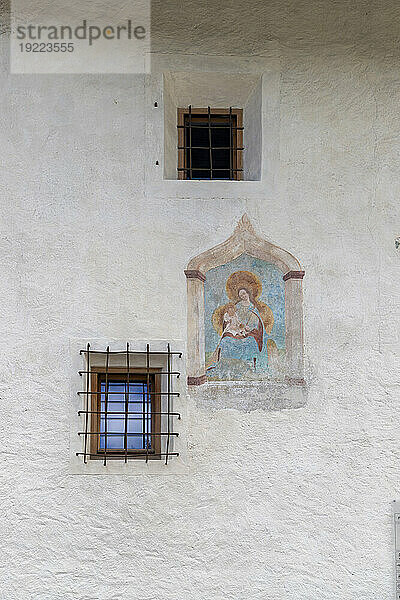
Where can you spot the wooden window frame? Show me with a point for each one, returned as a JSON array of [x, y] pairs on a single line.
[[237, 162], [97, 376]]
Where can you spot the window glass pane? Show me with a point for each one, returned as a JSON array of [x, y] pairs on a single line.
[[220, 136], [198, 156], [138, 418]]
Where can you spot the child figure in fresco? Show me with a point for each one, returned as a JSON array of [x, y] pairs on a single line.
[[240, 321], [234, 327], [231, 323]]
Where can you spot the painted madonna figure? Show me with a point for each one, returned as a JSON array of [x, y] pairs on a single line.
[[245, 347]]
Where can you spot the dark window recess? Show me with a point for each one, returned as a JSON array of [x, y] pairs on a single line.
[[210, 143], [127, 411]]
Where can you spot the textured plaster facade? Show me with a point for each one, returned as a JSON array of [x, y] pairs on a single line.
[[272, 504]]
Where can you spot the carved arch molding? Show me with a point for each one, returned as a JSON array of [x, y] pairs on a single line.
[[244, 240]]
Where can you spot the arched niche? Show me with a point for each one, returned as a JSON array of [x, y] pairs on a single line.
[[244, 240]]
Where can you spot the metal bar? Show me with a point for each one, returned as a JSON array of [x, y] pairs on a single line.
[[132, 393], [177, 373], [87, 402], [119, 401], [190, 138], [130, 351], [105, 407], [101, 412], [231, 144], [130, 456], [216, 125], [206, 148], [210, 144], [147, 401], [126, 403], [207, 169], [110, 433], [168, 401]]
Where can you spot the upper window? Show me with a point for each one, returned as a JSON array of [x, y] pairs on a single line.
[[210, 143]]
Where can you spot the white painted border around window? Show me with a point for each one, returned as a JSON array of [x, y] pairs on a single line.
[[156, 187]]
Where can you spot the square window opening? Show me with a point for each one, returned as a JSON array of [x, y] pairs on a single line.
[[210, 143]]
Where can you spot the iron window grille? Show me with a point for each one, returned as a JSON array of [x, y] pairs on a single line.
[[128, 410], [210, 143]]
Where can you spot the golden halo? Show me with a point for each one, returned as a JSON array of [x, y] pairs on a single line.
[[243, 280]]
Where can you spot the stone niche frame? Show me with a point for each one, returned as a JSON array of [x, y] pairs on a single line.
[[244, 240]]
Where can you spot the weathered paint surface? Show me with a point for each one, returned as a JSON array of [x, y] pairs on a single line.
[[245, 337], [285, 504]]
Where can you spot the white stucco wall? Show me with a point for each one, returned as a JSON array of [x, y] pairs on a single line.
[[291, 504]]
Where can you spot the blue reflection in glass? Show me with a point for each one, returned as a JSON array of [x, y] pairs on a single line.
[[139, 416]]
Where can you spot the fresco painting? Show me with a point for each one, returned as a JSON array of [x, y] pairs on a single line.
[[245, 321]]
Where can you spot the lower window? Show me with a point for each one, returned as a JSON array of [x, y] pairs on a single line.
[[125, 414]]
